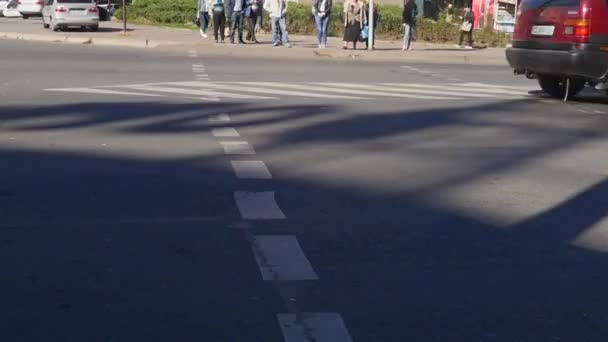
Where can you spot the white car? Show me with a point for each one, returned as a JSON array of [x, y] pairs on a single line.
[[10, 9], [30, 8], [3, 4], [60, 14]]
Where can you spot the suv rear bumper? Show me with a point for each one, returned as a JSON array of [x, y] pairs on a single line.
[[590, 64]]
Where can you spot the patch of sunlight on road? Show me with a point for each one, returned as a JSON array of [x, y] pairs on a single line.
[[594, 238]]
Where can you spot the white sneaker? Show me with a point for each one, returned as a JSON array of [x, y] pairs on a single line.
[[601, 86], [468, 47], [205, 35]]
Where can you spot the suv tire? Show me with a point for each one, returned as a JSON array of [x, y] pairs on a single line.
[[556, 85]]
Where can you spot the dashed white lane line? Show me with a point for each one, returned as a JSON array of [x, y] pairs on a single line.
[[237, 147], [280, 258], [219, 118], [258, 205], [318, 327], [225, 132], [250, 169]]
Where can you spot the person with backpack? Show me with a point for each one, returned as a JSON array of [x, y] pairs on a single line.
[[410, 15], [321, 10], [466, 28], [219, 19]]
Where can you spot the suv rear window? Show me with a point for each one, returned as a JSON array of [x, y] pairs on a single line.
[[531, 4]]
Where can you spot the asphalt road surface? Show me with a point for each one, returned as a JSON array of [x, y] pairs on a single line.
[[170, 196]]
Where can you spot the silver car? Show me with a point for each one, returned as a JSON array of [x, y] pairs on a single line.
[[59, 14], [30, 8]]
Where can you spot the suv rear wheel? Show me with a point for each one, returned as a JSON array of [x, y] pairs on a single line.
[[556, 85]]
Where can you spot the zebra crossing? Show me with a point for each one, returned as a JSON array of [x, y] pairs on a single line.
[[214, 91]]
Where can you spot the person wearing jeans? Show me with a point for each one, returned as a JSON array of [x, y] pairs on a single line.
[[410, 13], [321, 9], [203, 17], [278, 19], [236, 19]]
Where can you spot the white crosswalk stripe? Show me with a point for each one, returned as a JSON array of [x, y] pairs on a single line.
[[203, 89]]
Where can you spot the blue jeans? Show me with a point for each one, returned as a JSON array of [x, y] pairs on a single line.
[[237, 25], [204, 18], [279, 23], [322, 23]]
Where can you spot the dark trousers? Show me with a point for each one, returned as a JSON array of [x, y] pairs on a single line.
[[469, 35], [204, 18], [252, 21], [237, 24], [219, 24]]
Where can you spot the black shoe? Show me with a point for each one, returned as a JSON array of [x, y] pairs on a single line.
[[231, 41], [242, 42]]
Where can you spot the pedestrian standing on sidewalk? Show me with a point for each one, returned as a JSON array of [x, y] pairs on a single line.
[[354, 19], [219, 19], [321, 10], [466, 28], [278, 19], [252, 12], [203, 17], [237, 8], [410, 14]]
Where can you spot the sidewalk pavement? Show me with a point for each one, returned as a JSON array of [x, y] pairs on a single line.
[[304, 47]]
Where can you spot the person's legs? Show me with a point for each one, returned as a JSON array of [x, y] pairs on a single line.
[[204, 22], [407, 37], [240, 19], [251, 33], [216, 25], [274, 23], [233, 26], [462, 33], [325, 28], [222, 25], [470, 36], [258, 22], [284, 34], [318, 24]]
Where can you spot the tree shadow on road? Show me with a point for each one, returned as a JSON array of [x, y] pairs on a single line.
[[396, 262]]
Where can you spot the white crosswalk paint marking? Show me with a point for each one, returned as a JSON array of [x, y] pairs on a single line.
[[453, 95], [474, 92], [318, 327], [280, 258], [237, 147], [258, 205], [102, 91], [227, 132], [264, 91], [485, 85], [200, 92], [250, 169], [223, 117], [337, 88]]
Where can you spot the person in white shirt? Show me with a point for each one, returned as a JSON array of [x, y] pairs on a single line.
[[278, 18]]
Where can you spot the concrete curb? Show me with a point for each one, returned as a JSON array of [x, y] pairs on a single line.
[[84, 40]]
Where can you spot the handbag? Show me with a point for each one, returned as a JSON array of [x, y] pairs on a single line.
[[466, 26], [364, 33]]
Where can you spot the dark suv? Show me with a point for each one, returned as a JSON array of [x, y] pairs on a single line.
[[561, 43]]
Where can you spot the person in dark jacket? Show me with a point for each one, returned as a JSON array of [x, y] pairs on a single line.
[[410, 14], [219, 19], [237, 9], [466, 28], [321, 10]]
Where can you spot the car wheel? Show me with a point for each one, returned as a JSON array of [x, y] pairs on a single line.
[[94, 28], [555, 86], [44, 24], [25, 17]]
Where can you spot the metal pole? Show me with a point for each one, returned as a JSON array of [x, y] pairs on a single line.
[[371, 25], [124, 17]]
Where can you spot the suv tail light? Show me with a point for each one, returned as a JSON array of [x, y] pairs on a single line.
[[39, 3], [19, 2], [92, 10], [61, 9], [579, 28]]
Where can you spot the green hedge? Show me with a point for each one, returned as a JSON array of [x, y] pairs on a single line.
[[300, 20]]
